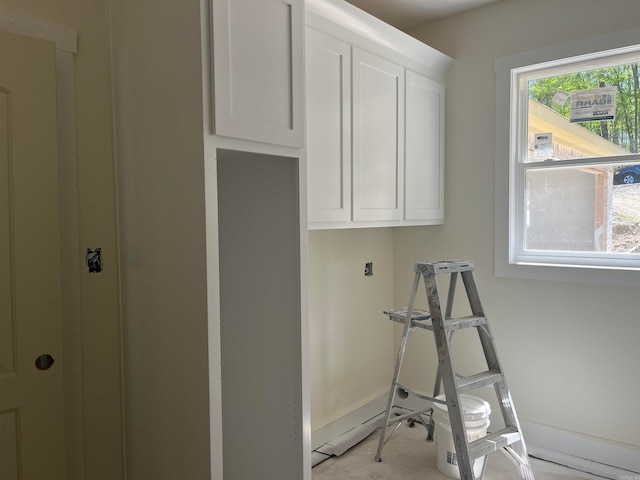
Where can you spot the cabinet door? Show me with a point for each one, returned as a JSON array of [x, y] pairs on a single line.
[[328, 128], [378, 147], [258, 50], [424, 149]]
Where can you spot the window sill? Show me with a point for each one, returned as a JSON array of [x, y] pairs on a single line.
[[567, 273]]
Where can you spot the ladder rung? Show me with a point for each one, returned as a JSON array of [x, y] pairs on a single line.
[[478, 380], [422, 319], [493, 442], [464, 322]]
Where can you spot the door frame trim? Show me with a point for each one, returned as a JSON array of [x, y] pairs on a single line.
[[65, 38]]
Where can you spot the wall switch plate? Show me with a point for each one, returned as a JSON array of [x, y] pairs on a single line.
[[368, 269]]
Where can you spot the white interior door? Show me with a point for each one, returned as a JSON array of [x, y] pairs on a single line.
[[31, 394]]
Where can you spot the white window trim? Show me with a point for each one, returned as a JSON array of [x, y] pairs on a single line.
[[503, 174]]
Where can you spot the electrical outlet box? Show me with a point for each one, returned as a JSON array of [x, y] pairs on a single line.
[[368, 269]]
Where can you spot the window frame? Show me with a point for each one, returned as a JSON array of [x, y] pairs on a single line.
[[511, 119]]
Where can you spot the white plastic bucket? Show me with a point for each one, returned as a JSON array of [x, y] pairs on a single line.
[[475, 414]]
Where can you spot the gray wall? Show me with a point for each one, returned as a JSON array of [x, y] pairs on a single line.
[[260, 327]]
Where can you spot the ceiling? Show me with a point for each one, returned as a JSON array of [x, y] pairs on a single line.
[[406, 14]]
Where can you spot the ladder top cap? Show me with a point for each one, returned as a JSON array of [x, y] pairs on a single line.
[[444, 266]]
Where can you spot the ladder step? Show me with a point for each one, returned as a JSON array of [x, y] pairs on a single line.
[[419, 318], [478, 380], [464, 322], [400, 314], [422, 319], [493, 442], [449, 266]]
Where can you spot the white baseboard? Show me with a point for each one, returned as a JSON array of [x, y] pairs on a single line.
[[354, 436], [581, 452], [339, 427]]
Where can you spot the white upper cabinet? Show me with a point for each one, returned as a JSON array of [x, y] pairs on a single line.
[[378, 149], [258, 50], [424, 152], [384, 164], [328, 90]]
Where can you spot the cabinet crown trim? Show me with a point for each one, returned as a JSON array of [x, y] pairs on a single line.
[[361, 29]]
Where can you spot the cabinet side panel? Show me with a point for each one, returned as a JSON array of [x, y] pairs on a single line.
[[260, 316]]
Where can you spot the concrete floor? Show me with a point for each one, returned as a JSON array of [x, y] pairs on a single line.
[[408, 456]]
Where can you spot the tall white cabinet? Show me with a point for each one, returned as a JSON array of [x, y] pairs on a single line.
[[253, 167], [208, 105], [384, 167]]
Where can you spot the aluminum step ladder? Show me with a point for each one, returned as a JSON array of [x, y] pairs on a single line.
[[508, 440]]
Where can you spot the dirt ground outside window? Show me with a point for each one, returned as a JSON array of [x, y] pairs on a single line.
[[626, 218]]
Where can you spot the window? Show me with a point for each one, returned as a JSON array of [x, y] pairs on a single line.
[[569, 128]]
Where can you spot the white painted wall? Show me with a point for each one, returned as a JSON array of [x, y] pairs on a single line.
[[160, 157], [570, 350], [351, 341]]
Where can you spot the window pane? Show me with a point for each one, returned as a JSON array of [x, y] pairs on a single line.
[[582, 209], [591, 113]]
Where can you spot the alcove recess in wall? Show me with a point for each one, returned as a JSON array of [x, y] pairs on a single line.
[[260, 325]]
